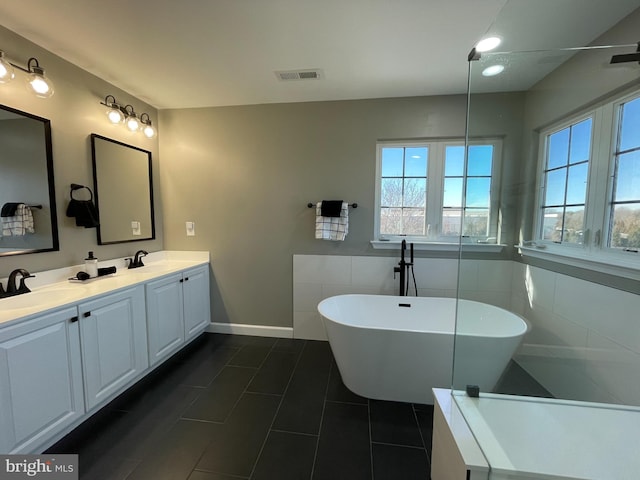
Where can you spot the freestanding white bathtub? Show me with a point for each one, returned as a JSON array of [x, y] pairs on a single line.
[[399, 348]]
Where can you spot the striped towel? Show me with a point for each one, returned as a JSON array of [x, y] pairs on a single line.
[[20, 224], [332, 228]]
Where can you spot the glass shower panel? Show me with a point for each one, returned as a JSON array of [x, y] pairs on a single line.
[[538, 315]]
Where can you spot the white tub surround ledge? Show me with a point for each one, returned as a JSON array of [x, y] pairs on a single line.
[[533, 439], [439, 246], [455, 454], [51, 289]]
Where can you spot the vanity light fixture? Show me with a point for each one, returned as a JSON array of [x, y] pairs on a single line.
[[37, 82], [118, 114]]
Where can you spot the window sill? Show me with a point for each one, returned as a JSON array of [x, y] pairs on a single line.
[[618, 265], [439, 246]]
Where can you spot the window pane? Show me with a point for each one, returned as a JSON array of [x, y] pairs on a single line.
[[630, 125], [454, 161], [391, 221], [391, 194], [480, 158], [577, 184], [392, 162], [558, 149], [413, 221], [555, 187], [478, 190], [625, 232], [451, 220], [552, 224], [580, 141], [573, 225], [476, 223], [452, 192], [415, 192], [416, 162], [628, 178]]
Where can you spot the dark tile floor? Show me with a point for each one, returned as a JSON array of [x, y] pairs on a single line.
[[236, 407]]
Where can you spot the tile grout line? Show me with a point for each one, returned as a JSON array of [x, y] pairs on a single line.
[[236, 402], [324, 407], [273, 420], [424, 444], [398, 445]]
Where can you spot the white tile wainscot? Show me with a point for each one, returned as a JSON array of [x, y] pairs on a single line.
[[66, 349], [316, 277], [584, 341]]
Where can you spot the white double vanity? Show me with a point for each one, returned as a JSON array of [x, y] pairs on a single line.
[[66, 349]]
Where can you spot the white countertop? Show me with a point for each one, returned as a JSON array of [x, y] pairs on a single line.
[[51, 289]]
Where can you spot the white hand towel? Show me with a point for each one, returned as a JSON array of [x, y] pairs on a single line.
[[20, 224], [332, 228]]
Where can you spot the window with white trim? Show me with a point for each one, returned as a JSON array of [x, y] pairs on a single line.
[[425, 190], [589, 181]]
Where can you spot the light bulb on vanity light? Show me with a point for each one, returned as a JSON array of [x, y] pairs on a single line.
[[147, 128], [37, 83], [132, 122], [6, 69], [114, 111]]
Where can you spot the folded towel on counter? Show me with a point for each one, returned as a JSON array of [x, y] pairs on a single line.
[[331, 208], [9, 209], [332, 228], [19, 224]]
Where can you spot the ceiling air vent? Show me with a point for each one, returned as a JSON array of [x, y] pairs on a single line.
[[307, 74]]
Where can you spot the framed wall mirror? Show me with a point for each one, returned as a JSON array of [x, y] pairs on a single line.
[[26, 177], [123, 189]]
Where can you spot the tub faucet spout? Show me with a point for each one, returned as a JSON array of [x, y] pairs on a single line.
[[402, 269]]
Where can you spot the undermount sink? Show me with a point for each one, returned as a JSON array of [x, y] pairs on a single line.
[[37, 298], [157, 268]]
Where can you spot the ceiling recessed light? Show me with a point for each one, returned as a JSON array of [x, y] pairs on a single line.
[[487, 44], [493, 70]]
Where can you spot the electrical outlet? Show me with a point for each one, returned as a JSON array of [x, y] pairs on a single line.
[[135, 228], [191, 229]]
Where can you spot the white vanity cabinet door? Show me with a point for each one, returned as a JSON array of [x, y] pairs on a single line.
[[113, 338], [196, 301], [165, 317], [40, 380]]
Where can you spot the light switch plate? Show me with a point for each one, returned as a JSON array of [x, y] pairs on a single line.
[[191, 229], [135, 228]]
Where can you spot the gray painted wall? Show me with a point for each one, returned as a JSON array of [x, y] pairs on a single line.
[[245, 174], [75, 112]]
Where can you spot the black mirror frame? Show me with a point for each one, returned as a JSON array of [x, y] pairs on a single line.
[[53, 212], [96, 193]]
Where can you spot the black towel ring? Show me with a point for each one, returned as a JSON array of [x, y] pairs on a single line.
[[75, 186]]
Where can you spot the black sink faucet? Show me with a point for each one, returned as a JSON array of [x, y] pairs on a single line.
[[12, 289], [137, 259]]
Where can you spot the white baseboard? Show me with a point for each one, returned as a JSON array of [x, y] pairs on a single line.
[[255, 330]]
